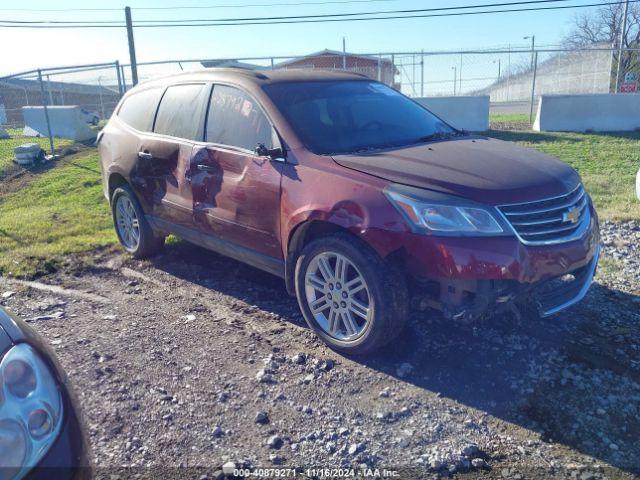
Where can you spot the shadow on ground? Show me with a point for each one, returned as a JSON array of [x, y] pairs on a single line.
[[573, 378]]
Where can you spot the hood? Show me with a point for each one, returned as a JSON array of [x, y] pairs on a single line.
[[478, 168]]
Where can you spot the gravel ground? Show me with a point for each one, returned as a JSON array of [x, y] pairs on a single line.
[[193, 359]]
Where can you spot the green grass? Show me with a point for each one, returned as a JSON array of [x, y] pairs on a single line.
[[61, 212], [7, 146], [509, 118], [606, 162]]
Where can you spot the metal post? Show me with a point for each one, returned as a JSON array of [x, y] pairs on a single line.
[[393, 70], [533, 87], [533, 48], [51, 102], [621, 44], [344, 53], [132, 46], [46, 112], [272, 64], [460, 75], [100, 96], [509, 75], [124, 79], [413, 75], [455, 78], [422, 73], [119, 77], [379, 66], [61, 93]]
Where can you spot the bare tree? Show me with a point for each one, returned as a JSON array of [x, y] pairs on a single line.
[[603, 26]]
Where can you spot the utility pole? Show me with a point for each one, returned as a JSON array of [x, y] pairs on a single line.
[[132, 46], [621, 44]]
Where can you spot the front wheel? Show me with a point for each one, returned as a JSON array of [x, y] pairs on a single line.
[[348, 295], [133, 230]]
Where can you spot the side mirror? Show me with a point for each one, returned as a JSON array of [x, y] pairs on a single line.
[[273, 153]]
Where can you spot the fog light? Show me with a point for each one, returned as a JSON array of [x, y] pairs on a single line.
[[40, 423], [30, 411], [19, 378]]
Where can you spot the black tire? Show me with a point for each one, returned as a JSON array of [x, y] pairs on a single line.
[[149, 243], [388, 295]]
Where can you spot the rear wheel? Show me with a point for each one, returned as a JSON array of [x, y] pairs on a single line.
[[133, 230], [348, 295]]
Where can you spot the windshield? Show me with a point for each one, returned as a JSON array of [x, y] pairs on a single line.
[[354, 116]]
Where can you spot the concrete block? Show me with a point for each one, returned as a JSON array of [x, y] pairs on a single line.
[[66, 122], [464, 112], [604, 112]]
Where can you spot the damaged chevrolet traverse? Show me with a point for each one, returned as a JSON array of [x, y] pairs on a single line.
[[363, 201]]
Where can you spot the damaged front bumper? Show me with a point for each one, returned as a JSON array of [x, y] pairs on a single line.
[[467, 279], [554, 295]]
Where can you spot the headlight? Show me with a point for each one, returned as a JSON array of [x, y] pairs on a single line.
[[446, 215], [30, 411]]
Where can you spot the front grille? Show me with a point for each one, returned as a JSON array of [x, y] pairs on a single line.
[[550, 220]]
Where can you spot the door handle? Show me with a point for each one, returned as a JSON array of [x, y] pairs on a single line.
[[145, 156], [207, 168]]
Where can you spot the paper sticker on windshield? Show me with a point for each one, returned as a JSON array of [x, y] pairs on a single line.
[[379, 88]]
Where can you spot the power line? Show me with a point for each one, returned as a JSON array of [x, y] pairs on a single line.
[[293, 17], [191, 7], [261, 21]]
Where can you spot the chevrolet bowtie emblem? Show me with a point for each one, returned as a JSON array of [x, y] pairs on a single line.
[[572, 215]]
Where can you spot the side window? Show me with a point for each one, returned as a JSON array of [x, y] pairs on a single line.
[[139, 109], [235, 119], [180, 112]]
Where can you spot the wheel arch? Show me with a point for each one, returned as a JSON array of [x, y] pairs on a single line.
[[300, 236], [116, 180]]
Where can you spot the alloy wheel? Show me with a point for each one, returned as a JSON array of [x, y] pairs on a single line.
[[127, 222], [338, 296]]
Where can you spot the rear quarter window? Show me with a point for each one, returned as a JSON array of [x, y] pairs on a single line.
[[181, 111], [139, 109]]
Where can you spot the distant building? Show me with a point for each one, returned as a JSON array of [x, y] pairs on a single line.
[[373, 67], [16, 93], [367, 65]]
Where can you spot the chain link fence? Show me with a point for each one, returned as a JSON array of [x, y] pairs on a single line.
[[512, 78]]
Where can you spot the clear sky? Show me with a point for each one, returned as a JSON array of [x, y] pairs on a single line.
[[25, 49]]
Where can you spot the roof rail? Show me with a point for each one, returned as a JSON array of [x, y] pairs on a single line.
[[246, 71]]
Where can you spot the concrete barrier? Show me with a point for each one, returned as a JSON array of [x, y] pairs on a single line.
[[66, 122], [604, 112], [468, 113]]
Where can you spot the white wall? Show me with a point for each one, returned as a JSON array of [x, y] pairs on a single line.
[[606, 112], [468, 113], [66, 122]]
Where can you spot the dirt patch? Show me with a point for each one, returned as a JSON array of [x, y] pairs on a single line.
[[197, 360]]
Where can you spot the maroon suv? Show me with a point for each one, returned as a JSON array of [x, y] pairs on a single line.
[[361, 199]]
